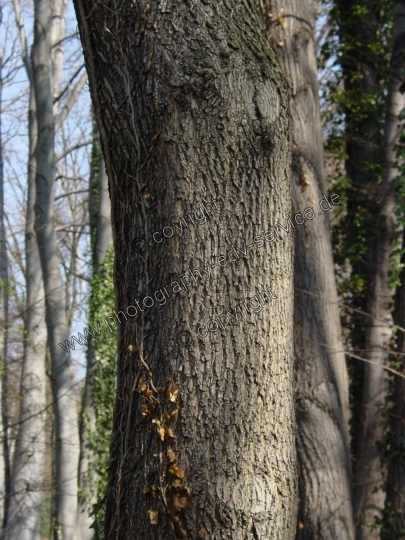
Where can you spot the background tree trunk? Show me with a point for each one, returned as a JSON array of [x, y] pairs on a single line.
[[101, 235], [322, 382], [29, 456], [394, 523], [65, 409], [4, 447], [369, 497], [190, 105]]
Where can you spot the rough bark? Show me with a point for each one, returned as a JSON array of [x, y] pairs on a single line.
[[394, 524], [322, 382], [65, 406], [100, 230], [191, 105]]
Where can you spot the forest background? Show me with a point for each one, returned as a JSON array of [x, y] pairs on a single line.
[[344, 62]]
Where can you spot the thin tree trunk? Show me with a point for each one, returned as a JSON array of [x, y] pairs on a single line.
[[394, 516], [369, 501], [191, 105], [394, 524], [322, 382], [101, 233], [29, 457], [369, 227], [4, 443], [57, 53], [65, 406]]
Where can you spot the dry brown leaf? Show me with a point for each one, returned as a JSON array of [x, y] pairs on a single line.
[[201, 534], [171, 455], [187, 490], [179, 502], [151, 490], [161, 432], [143, 387], [169, 433], [148, 408], [176, 483], [175, 415], [176, 471], [153, 516], [172, 394]]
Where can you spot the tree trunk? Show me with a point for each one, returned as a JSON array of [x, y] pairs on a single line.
[[28, 462], [191, 106], [57, 33], [394, 523], [101, 234], [65, 406], [369, 499], [322, 382], [4, 447], [369, 230], [29, 457]]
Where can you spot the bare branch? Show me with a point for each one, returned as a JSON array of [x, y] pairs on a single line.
[[70, 193], [72, 149], [74, 94], [23, 40]]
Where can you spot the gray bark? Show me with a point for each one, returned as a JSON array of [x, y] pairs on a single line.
[[29, 457], [65, 406], [100, 227], [191, 105], [362, 71], [369, 501], [103, 218], [4, 443], [394, 526], [57, 33], [322, 381]]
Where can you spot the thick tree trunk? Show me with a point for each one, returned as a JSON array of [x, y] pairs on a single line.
[[191, 106], [101, 232], [29, 457], [65, 406], [394, 524], [322, 381]]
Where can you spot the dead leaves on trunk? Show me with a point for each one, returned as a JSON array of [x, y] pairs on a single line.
[[161, 408]]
